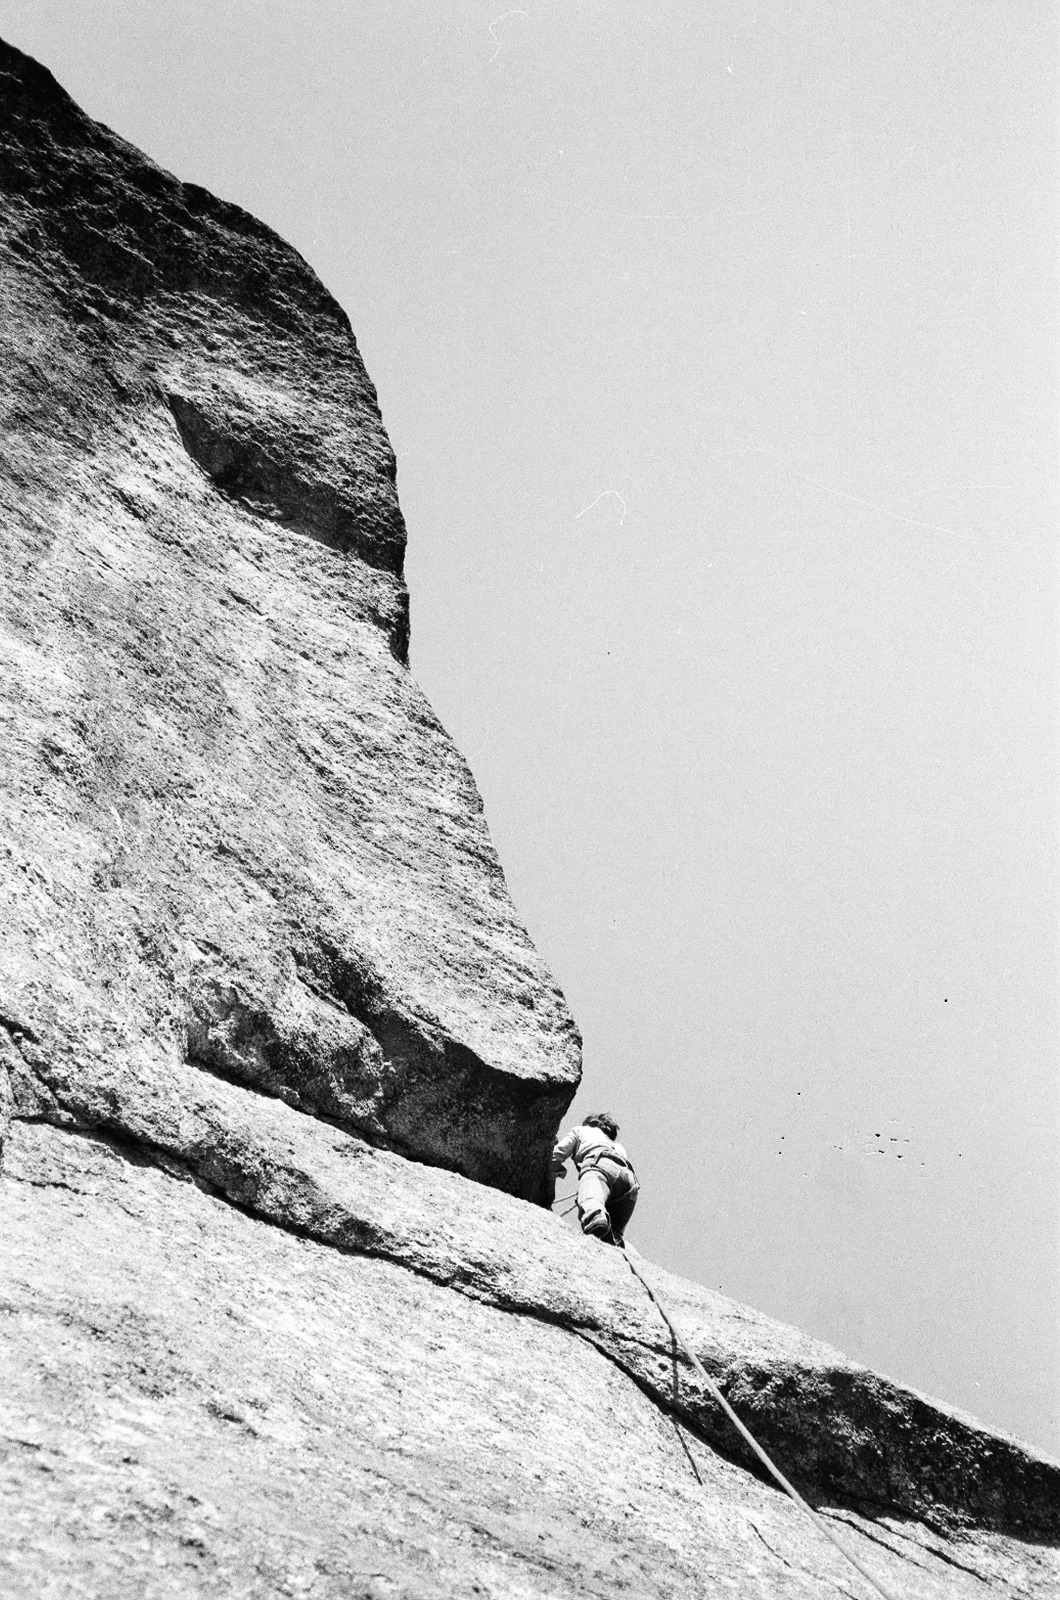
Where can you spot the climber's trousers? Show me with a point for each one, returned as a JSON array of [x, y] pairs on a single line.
[[606, 1197]]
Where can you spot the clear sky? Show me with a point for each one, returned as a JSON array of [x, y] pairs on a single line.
[[718, 344]]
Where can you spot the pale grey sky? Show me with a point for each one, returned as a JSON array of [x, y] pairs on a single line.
[[718, 344]]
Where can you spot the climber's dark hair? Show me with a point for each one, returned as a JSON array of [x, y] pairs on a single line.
[[602, 1120]]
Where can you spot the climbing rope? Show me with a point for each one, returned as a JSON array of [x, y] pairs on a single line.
[[745, 1432]]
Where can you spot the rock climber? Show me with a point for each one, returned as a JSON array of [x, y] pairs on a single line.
[[607, 1183]]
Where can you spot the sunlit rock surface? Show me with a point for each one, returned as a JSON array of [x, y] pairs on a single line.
[[367, 1377], [279, 1067], [235, 831]]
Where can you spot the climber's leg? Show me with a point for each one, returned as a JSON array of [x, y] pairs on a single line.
[[620, 1207], [593, 1192]]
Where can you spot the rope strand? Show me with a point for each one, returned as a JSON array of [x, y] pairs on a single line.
[[745, 1433]]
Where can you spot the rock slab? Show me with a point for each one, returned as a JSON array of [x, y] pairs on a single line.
[[453, 1398]]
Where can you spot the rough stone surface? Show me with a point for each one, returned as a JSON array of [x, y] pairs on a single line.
[[257, 957], [198, 1403], [231, 821]]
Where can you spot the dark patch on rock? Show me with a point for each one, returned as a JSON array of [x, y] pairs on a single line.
[[258, 460]]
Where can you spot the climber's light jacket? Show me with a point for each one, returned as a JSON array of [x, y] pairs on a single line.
[[585, 1147]]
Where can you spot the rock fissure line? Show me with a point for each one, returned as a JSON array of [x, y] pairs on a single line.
[[871, 1509], [805, 1571], [673, 1409], [904, 1555], [142, 1152], [360, 1129]]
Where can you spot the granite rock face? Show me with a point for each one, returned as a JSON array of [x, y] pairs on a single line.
[[279, 1067], [325, 1370], [234, 831]]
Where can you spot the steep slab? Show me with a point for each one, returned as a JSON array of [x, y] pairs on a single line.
[[196, 1403], [232, 825], [842, 1432]]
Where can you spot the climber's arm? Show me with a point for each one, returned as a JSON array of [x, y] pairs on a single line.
[[563, 1151]]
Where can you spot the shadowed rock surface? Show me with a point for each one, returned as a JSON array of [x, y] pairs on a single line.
[[258, 954]]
